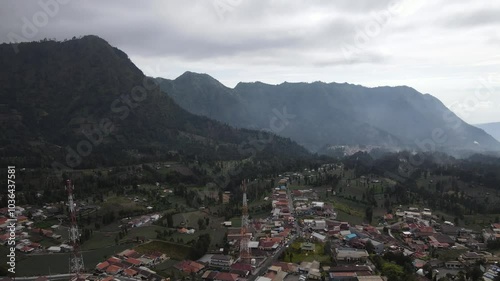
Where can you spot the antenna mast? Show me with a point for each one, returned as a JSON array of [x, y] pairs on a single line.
[[244, 247], [76, 266]]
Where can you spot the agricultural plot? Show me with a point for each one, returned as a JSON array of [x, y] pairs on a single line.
[[99, 240], [173, 250], [296, 255], [58, 263], [189, 219], [117, 203]]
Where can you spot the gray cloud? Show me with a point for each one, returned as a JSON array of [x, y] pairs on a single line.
[[428, 45], [474, 18]]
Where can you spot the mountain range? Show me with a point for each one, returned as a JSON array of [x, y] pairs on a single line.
[[82, 103], [322, 115], [491, 128]]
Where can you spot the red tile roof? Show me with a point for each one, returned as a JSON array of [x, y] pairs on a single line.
[[344, 274], [22, 218], [241, 266], [426, 229], [129, 253], [266, 244], [4, 237], [129, 272], [189, 266], [133, 261], [113, 260], [102, 265], [113, 269], [26, 249], [226, 276]]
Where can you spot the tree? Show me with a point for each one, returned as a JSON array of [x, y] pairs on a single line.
[[369, 247], [474, 274], [369, 214], [170, 221], [393, 272], [201, 224]]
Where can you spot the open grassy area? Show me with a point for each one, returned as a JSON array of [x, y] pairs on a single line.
[[116, 203], [58, 263], [298, 255], [99, 240], [236, 222], [46, 224], [347, 209], [341, 216], [173, 250], [190, 219], [148, 232], [449, 254]]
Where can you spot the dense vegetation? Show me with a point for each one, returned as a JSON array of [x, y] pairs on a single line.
[[411, 171], [82, 103]]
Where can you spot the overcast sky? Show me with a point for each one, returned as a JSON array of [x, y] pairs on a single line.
[[450, 49]]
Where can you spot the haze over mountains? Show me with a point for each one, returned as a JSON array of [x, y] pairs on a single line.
[[331, 114], [491, 128], [83, 102]]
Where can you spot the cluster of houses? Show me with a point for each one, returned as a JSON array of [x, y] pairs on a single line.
[[131, 264], [305, 203], [268, 235], [28, 237], [414, 233], [218, 267], [352, 273], [142, 220], [419, 234], [215, 267]]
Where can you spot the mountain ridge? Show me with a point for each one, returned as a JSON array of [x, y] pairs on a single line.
[[413, 116], [492, 128], [53, 95]]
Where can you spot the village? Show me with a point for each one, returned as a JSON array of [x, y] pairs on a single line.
[[303, 237]]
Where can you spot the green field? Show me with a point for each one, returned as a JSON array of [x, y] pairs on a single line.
[[236, 222], [190, 219], [59, 263], [173, 250], [99, 240], [299, 256]]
